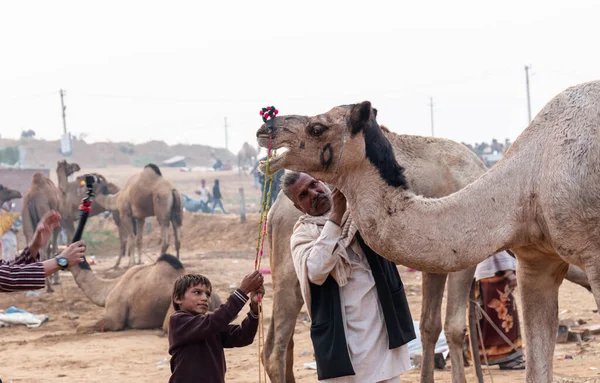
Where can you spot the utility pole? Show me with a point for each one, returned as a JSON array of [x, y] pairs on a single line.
[[62, 103], [527, 68], [431, 111], [226, 138]]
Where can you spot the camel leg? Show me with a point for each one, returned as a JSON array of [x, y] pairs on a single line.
[[538, 283], [177, 237], [578, 276], [279, 344], [459, 287], [54, 249], [69, 224], [122, 232], [431, 320], [139, 240], [113, 320], [44, 256], [127, 227]]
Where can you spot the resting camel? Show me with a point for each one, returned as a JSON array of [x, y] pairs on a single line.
[[540, 201], [139, 299], [287, 299], [145, 194], [7, 194], [73, 193], [41, 198]]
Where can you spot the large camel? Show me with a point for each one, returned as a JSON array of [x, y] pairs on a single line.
[[540, 201], [7, 194], [41, 198], [145, 194], [73, 193], [139, 299], [287, 299]]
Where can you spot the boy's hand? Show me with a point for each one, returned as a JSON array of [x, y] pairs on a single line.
[[251, 282], [254, 298]]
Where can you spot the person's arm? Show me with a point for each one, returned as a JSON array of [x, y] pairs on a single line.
[[243, 335], [187, 328], [322, 259], [22, 259], [22, 277]]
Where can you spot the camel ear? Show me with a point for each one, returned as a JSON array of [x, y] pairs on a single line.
[[359, 117], [375, 112]]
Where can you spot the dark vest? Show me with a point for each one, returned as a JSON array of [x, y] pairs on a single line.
[[327, 328]]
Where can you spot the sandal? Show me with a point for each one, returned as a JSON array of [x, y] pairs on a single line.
[[517, 364]]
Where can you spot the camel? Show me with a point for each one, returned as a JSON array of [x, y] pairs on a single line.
[[7, 194], [246, 156], [139, 299], [73, 193], [287, 303], [145, 194], [41, 198], [539, 201]]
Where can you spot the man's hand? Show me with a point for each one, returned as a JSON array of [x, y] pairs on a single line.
[[338, 208], [254, 298], [251, 282], [74, 253], [49, 222]]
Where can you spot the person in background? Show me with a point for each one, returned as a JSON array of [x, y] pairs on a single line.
[[495, 281], [204, 196], [8, 231], [217, 198]]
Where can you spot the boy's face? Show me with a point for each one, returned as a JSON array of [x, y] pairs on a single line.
[[195, 299]]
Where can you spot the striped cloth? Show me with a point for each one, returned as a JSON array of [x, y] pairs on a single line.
[[21, 273]]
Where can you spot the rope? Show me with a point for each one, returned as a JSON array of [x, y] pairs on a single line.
[[267, 114]]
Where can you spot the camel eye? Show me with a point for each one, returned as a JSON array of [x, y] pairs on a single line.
[[317, 130]]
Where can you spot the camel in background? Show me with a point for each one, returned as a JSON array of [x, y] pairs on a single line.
[[41, 198], [73, 193], [7, 194], [145, 194]]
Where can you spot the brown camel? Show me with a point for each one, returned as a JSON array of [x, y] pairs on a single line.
[[139, 299], [7, 194], [539, 201], [73, 192], [145, 194], [41, 198]]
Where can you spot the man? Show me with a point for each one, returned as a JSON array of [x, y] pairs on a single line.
[[8, 230], [26, 272], [204, 196], [496, 279], [361, 322]]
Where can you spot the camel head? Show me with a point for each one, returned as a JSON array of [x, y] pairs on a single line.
[[7, 194], [333, 144], [66, 168]]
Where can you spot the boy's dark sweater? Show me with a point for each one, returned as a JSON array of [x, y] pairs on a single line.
[[196, 342]]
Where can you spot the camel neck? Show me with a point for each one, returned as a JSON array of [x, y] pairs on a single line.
[[437, 235], [62, 181]]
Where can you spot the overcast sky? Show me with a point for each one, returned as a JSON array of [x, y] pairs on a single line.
[[140, 70]]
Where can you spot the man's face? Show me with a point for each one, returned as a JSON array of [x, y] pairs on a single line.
[[310, 196], [195, 299]]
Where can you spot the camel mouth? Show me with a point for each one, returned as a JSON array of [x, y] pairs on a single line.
[[274, 164]]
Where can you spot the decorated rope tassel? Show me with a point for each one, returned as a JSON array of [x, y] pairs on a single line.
[[268, 114]]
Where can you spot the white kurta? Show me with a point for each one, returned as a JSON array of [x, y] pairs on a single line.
[[365, 330]]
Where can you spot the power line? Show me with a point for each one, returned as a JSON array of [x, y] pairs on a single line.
[[226, 138], [62, 103]]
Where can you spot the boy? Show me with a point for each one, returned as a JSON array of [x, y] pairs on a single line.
[[197, 338]]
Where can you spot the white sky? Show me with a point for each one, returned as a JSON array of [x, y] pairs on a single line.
[[141, 70]]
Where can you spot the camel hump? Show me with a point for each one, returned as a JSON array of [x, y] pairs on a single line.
[[171, 260], [38, 178], [155, 168]]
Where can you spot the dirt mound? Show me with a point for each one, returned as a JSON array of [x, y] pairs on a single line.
[[40, 153]]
